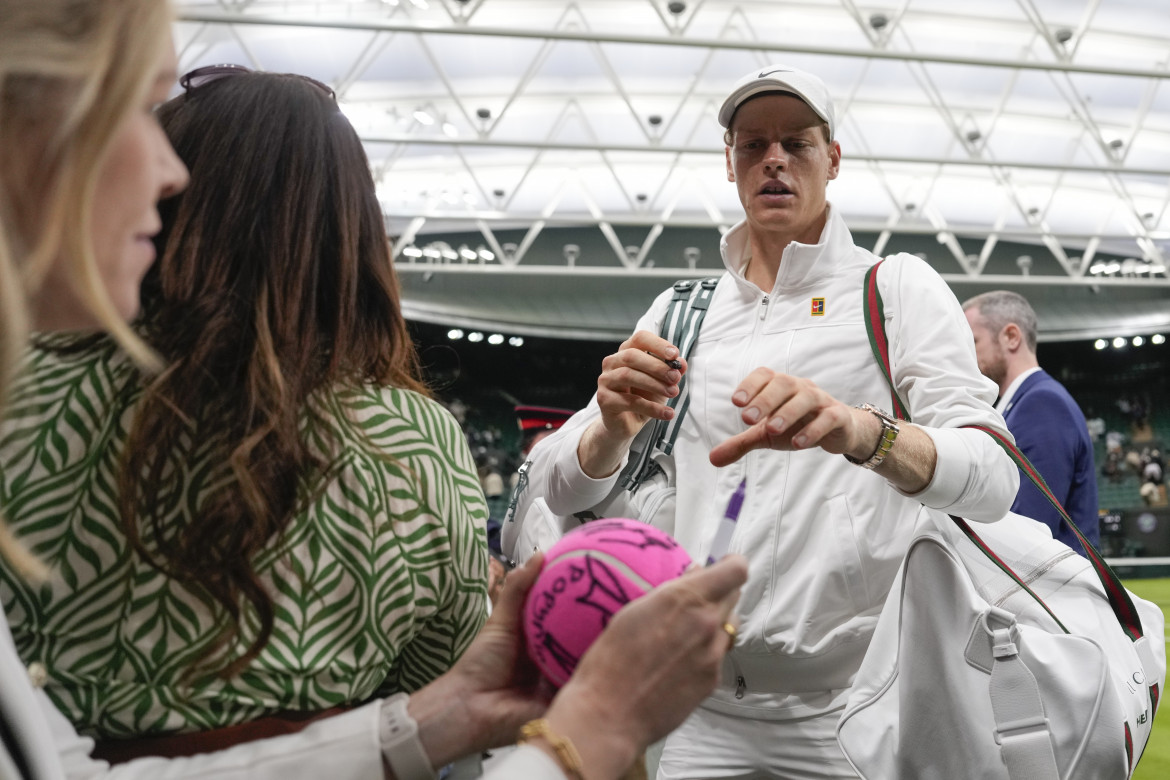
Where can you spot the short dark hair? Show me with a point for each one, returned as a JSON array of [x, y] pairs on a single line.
[[1000, 308]]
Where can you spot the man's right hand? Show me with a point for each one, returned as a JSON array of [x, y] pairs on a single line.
[[633, 388]]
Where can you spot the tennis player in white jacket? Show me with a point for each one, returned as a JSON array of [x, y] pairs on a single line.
[[785, 393]]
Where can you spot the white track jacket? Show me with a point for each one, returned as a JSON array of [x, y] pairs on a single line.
[[823, 538]]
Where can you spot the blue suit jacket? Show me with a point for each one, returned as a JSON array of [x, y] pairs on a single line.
[[1050, 429]]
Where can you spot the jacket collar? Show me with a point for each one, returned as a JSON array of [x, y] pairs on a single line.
[[800, 263], [1019, 386]]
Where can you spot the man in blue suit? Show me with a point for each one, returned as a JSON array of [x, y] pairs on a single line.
[[1048, 425]]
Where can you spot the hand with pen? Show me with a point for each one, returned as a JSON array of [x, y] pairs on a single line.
[[634, 386]]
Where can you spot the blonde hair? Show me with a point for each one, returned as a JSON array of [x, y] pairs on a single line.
[[71, 71]]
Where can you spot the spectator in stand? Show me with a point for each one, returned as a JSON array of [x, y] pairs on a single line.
[[1152, 466], [1114, 440], [1111, 468], [1046, 422], [1152, 491], [1095, 424]]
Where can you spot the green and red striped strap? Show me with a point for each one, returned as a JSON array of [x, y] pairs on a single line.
[[875, 326], [1119, 600]]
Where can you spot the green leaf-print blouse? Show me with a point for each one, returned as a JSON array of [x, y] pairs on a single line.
[[379, 585]]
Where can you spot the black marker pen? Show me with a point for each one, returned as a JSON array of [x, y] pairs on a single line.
[[675, 364]]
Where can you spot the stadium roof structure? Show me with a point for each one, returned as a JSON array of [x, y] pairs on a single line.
[[547, 167]]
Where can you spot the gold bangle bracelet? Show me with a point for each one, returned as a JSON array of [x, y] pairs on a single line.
[[566, 752]]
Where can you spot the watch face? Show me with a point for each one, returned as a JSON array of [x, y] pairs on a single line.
[[880, 413]]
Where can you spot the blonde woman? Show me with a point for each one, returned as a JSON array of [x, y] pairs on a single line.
[[82, 163]]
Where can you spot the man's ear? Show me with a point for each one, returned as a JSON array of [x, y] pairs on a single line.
[[1011, 337], [730, 170], [834, 160]]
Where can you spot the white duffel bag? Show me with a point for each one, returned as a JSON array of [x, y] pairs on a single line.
[[975, 673]]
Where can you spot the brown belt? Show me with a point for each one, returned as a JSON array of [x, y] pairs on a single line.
[[119, 751]]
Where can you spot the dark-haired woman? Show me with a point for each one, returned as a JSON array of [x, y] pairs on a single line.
[[282, 522]]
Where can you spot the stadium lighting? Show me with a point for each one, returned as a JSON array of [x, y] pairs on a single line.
[[496, 338], [1138, 341], [1104, 268], [455, 334], [1157, 338], [475, 337], [1118, 342], [1100, 344], [516, 341]]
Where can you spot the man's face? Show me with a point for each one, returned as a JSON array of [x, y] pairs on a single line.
[[781, 165], [989, 352]]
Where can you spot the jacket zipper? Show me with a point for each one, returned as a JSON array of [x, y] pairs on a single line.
[[764, 307], [740, 680]]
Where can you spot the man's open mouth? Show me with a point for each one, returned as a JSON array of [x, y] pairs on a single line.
[[775, 188]]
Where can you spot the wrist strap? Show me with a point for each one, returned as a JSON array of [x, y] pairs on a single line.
[[567, 755], [401, 748]]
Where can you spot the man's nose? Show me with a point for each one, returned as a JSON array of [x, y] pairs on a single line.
[[775, 156]]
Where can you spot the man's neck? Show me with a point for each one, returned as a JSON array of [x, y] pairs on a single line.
[[1017, 365], [768, 249]]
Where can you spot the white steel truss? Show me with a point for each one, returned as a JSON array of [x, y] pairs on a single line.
[[1043, 123]]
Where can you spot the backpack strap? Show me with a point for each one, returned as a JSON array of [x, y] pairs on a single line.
[[684, 334], [1119, 600], [875, 327], [681, 325]]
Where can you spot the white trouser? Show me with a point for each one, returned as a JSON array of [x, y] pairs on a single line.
[[711, 744]]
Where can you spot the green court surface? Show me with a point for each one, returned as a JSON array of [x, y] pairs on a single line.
[[1155, 764]]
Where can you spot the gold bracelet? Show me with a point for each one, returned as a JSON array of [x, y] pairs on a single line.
[[567, 755]]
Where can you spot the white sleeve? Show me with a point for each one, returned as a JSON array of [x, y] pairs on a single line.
[[932, 357], [553, 486], [342, 747], [525, 762]]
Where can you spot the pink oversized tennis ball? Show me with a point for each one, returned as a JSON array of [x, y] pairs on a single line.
[[589, 575]]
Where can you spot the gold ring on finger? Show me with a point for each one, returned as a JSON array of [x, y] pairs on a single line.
[[731, 630]]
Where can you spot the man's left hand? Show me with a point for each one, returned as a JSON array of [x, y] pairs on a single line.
[[792, 413]]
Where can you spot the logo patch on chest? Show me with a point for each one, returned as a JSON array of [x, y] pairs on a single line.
[[818, 307]]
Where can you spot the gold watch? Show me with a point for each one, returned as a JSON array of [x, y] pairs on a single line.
[[885, 442]]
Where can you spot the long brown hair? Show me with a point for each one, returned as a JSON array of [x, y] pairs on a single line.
[[70, 74], [274, 282]]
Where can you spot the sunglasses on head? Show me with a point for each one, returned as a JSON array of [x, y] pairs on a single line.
[[209, 73]]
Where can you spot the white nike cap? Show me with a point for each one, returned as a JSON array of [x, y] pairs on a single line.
[[781, 78]]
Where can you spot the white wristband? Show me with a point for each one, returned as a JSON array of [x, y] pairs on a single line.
[[400, 746]]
